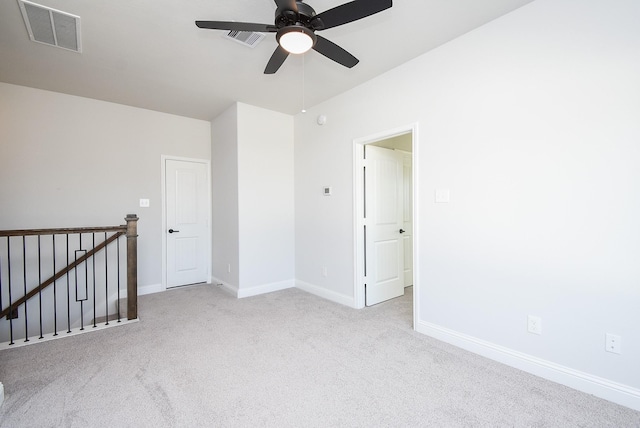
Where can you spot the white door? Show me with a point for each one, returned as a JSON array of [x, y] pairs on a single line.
[[187, 228], [407, 226], [384, 220]]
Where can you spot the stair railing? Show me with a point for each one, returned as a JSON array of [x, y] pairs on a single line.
[[91, 257]]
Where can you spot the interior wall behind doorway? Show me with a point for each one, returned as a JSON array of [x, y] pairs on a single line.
[[402, 142]]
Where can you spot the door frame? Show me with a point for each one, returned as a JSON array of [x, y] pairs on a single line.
[[358, 209], [207, 163]]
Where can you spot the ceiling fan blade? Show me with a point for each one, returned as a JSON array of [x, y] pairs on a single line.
[[334, 52], [236, 26], [349, 12], [278, 57]]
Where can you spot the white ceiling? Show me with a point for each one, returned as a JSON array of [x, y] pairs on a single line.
[[150, 54]]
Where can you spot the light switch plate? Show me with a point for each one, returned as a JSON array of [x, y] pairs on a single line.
[[144, 203], [442, 196]]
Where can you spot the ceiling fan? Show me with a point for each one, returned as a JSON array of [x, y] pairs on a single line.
[[295, 26]]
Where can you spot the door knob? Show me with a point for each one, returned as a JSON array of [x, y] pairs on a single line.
[[401, 230], [173, 231]]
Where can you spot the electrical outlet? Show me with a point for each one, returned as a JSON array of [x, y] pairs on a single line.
[[229, 268], [613, 343], [534, 324], [324, 271]]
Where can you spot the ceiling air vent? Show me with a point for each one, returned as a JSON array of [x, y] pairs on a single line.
[[247, 38], [50, 26]]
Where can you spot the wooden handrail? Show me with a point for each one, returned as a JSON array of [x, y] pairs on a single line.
[[59, 275], [130, 230], [62, 231]]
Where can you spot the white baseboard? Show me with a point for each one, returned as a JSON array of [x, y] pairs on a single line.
[[265, 288], [142, 290], [253, 291], [585, 382], [150, 289], [326, 294], [226, 286]]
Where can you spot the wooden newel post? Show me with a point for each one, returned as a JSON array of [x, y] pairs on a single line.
[[132, 266]]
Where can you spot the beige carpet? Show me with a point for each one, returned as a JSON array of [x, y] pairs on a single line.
[[200, 357]]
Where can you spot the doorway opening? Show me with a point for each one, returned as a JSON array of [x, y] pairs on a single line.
[[385, 178]]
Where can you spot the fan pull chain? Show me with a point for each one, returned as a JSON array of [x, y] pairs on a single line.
[[303, 109]]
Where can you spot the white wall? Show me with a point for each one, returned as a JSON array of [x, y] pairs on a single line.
[[532, 123], [266, 211], [67, 161], [224, 166], [253, 200]]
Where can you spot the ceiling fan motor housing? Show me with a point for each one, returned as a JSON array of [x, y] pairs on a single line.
[[304, 17]]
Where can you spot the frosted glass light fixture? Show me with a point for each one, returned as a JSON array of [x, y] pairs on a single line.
[[295, 39]]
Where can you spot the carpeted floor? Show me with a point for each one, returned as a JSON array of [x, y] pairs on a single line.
[[199, 357]]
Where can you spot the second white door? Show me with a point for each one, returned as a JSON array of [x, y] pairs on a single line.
[[384, 221]]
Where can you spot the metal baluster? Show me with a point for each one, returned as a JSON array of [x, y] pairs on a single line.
[[68, 292], [10, 298], [24, 278], [93, 258], [40, 285], [106, 281], [55, 300]]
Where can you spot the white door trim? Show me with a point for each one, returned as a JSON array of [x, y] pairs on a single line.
[[358, 208], [163, 159]]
